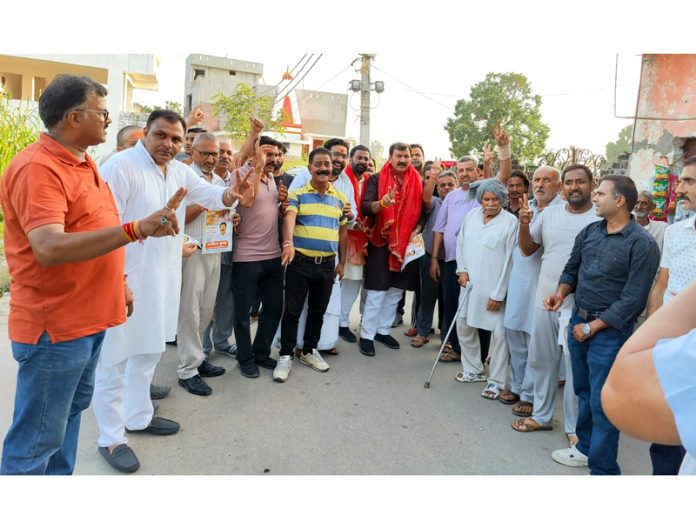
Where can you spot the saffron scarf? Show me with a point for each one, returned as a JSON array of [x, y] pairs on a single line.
[[393, 226], [357, 240]]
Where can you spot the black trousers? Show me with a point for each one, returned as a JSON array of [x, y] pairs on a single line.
[[266, 279], [305, 279]]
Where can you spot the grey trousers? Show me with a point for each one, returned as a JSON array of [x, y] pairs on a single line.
[[520, 377], [543, 362], [199, 286], [222, 326]]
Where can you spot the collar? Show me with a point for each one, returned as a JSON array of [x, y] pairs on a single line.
[[329, 191], [58, 150], [689, 224], [630, 226]]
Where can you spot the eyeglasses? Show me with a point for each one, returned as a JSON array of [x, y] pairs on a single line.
[[103, 113], [207, 154]]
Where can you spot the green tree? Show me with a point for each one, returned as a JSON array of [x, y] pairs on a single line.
[[237, 107], [622, 145], [19, 126], [504, 98]]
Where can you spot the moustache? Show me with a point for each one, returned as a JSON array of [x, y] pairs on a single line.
[[323, 173]]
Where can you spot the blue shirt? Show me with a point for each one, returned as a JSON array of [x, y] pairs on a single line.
[[612, 273]]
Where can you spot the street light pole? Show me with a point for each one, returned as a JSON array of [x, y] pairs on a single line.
[[365, 89]]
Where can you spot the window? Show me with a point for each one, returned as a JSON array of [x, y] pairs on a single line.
[[232, 72], [198, 73]]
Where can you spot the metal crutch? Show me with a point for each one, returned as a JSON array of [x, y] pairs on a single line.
[[467, 289]]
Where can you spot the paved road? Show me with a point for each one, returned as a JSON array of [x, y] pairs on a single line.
[[365, 416]]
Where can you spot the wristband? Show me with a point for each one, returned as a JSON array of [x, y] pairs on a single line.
[[503, 152], [288, 243], [129, 232]]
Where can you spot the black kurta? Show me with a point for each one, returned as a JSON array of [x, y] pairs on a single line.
[[377, 275]]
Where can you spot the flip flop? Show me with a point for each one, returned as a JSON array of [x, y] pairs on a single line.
[[524, 426], [523, 404], [503, 394]]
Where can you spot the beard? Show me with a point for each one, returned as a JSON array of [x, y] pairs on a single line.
[[359, 169]]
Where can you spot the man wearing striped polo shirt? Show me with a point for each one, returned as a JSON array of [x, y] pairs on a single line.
[[314, 231]]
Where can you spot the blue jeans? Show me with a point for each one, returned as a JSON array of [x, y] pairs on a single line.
[[55, 383], [591, 361]]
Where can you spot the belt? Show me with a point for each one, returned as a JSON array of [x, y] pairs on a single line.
[[588, 315], [316, 260]]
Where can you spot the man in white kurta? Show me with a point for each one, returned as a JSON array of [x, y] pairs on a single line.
[[484, 252], [329, 329], [519, 308], [131, 351]]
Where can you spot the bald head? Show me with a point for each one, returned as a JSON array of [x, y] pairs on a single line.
[[546, 183], [128, 136]]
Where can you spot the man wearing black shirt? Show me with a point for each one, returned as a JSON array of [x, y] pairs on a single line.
[[610, 270]]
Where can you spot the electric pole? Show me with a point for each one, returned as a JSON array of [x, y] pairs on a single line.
[[365, 99], [364, 86]]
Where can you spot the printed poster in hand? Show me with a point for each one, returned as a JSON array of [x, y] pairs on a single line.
[[217, 237]]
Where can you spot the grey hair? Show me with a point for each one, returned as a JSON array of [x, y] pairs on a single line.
[[468, 159], [204, 136], [555, 171]]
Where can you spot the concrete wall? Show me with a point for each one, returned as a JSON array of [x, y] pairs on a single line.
[[120, 73], [216, 78], [666, 91]]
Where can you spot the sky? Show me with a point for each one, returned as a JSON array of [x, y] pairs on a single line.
[[428, 54]]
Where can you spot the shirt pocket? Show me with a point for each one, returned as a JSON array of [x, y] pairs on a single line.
[[490, 242]]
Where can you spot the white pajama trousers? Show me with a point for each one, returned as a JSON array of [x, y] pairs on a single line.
[[471, 351], [350, 288], [122, 397], [379, 312]]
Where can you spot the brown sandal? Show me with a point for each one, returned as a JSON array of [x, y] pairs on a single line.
[[331, 351], [508, 397], [529, 425], [523, 409], [419, 341]]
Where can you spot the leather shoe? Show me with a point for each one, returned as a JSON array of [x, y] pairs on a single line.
[[267, 363], [249, 370], [347, 335], [196, 385], [159, 426], [367, 347], [122, 458], [387, 340], [159, 392], [206, 369]]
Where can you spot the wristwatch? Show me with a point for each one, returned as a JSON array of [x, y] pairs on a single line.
[[586, 330]]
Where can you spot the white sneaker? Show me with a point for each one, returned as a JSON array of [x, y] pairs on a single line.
[[315, 361], [282, 369], [570, 457]]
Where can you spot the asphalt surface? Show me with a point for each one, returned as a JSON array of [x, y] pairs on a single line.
[[364, 416]]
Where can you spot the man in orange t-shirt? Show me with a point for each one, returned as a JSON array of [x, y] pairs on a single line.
[[63, 242]]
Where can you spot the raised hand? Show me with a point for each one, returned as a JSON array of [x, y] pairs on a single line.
[[195, 116], [163, 222], [256, 124], [435, 169], [525, 212], [501, 137], [389, 198], [487, 154]]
